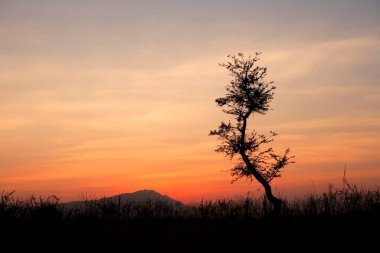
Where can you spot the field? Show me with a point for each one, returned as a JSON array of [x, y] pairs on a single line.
[[338, 220]]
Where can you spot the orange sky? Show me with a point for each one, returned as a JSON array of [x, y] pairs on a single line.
[[100, 97]]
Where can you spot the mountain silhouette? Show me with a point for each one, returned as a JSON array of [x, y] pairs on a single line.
[[138, 197]]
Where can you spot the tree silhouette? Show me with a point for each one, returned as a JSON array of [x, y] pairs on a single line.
[[248, 94]]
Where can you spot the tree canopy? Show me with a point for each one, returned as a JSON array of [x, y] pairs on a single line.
[[247, 94]]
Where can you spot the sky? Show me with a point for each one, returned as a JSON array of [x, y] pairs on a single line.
[[105, 97]]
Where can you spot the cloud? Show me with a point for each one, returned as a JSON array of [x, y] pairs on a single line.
[[100, 90]]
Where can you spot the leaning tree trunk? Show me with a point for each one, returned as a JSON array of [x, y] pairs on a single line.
[[276, 202]]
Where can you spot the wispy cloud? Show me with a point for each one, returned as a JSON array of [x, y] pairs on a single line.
[[124, 95]]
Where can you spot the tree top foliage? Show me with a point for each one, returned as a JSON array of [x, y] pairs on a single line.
[[246, 94]]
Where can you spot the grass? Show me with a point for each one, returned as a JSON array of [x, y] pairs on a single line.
[[344, 201], [342, 217]]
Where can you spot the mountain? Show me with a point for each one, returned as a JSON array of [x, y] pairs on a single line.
[[138, 197], [142, 196]]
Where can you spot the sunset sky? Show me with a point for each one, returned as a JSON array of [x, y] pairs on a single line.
[[106, 97]]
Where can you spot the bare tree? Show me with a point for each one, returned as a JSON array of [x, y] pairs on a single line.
[[249, 94]]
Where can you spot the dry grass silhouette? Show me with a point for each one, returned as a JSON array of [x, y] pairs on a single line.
[[349, 199], [339, 219]]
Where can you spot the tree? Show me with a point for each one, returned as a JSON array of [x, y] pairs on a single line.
[[249, 94]]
